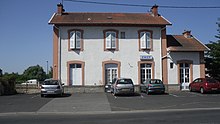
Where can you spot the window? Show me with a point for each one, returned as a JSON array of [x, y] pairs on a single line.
[[75, 40], [122, 35], [146, 72], [110, 40], [145, 40], [171, 65]]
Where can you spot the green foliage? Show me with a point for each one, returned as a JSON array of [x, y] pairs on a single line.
[[213, 57], [35, 72], [1, 73], [50, 74]]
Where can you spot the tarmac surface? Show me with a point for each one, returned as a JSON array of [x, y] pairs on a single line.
[[107, 103], [78, 103]]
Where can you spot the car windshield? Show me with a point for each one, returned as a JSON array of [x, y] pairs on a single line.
[[125, 81], [155, 82], [51, 82], [211, 80]]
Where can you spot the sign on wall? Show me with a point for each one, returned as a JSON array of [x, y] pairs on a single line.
[[146, 57]]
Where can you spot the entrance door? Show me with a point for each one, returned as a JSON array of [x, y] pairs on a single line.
[[184, 76], [75, 74], [111, 72], [146, 72]]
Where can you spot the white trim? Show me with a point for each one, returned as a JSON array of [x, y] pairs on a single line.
[[167, 20], [51, 17]]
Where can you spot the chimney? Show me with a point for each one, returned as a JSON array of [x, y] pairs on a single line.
[[154, 10], [60, 9], [187, 34]]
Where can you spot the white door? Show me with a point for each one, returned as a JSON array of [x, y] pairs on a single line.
[[184, 76], [75, 74], [111, 72]]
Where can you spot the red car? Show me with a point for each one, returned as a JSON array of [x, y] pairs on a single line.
[[204, 85]]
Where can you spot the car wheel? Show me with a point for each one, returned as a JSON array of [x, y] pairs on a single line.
[[42, 95], [202, 90], [114, 93], [190, 89], [147, 92]]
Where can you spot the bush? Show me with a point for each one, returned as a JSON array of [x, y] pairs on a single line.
[[7, 87]]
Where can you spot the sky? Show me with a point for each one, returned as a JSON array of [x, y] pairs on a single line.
[[26, 37]]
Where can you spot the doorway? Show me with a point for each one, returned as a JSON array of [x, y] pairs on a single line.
[[184, 75], [75, 74]]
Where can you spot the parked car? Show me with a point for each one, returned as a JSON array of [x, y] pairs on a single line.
[[152, 86], [52, 87], [204, 85], [123, 86]]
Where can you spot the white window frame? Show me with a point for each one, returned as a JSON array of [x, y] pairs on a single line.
[[110, 39], [147, 71], [75, 40], [145, 40]]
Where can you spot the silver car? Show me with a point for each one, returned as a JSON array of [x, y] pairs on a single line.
[[52, 87], [123, 86]]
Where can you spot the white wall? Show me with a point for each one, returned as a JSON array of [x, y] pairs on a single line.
[[176, 56], [94, 54]]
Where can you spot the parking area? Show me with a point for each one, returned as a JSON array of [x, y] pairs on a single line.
[[172, 100], [106, 102]]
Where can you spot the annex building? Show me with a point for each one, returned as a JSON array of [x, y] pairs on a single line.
[[91, 49]]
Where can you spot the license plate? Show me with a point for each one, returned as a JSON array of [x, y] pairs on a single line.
[[50, 91], [125, 89], [214, 88]]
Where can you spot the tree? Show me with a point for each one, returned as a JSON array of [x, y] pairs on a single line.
[[50, 74], [213, 56], [1, 73], [35, 72]]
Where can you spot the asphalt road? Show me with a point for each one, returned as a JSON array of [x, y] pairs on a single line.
[[158, 117], [106, 102], [175, 100], [22, 103]]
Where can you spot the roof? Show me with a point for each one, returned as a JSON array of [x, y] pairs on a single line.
[[108, 19], [181, 43]]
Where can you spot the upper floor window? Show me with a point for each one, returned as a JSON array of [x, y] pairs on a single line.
[[145, 40], [122, 35], [110, 40], [75, 39]]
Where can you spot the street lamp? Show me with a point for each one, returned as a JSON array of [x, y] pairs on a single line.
[[47, 67]]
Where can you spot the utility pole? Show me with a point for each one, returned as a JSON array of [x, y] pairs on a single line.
[[47, 67]]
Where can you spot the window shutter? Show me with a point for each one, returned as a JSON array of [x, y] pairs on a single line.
[[143, 40], [113, 40], [72, 40], [108, 40], [148, 40], [78, 40]]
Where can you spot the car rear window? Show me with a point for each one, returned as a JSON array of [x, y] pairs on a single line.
[[211, 81], [51, 82], [125, 81], [156, 82]]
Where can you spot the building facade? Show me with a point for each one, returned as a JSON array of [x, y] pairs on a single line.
[[91, 49]]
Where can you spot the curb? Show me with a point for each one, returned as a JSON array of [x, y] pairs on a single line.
[[106, 112]]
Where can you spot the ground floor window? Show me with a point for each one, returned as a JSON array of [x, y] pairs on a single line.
[[146, 70], [111, 70]]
